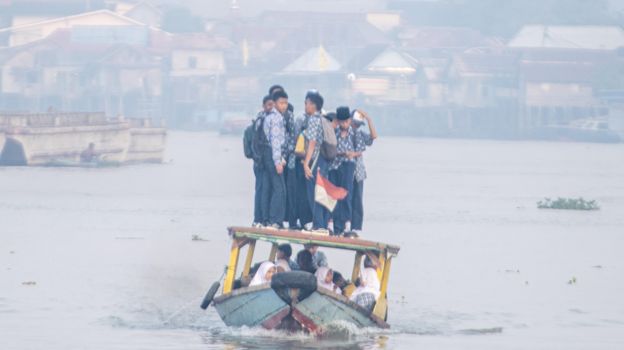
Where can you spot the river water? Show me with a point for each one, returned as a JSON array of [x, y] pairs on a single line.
[[104, 258]]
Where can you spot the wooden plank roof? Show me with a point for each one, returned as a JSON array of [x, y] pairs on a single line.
[[300, 237]]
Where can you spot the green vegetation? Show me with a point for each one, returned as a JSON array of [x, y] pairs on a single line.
[[568, 204]]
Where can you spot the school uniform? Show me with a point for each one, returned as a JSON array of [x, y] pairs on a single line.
[[274, 188], [343, 170], [260, 215], [358, 185]]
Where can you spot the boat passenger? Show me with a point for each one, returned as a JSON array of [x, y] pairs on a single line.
[[284, 252], [347, 287], [282, 266], [264, 274], [342, 168], [251, 133], [368, 291], [318, 258], [274, 187], [314, 164], [359, 117], [304, 260], [325, 278]]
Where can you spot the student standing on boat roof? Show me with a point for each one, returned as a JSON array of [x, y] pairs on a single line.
[[342, 169], [264, 274], [359, 117], [253, 142], [302, 218], [313, 164], [274, 188]]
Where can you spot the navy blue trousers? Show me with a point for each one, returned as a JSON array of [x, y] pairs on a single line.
[[273, 190], [343, 212], [320, 214]]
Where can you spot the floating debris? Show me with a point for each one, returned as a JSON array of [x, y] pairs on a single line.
[[568, 204], [572, 281], [197, 238], [131, 238], [479, 331], [597, 266], [29, 283]]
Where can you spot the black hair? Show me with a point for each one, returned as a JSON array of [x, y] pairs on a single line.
[[368, 262], [330, 116], [266, 98], [338, 277], [273, 88], [286, 249], [291, 109], [315, 98], [304, 260], [279, 94]]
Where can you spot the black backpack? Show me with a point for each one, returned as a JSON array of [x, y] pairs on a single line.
[[248, 140], [259, 139]]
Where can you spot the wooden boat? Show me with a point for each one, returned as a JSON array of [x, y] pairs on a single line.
[[295, 305]]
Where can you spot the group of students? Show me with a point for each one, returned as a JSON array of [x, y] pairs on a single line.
[[289, 153], [364, 291]]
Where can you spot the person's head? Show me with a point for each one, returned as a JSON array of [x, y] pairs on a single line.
[[339, 280], [311, 248], [275, 88], [344, 117], [281, 101], [91, 145], [331, 116], [279, 269], [267, 103], [304, 260], [269, 274], [324, 276], [284, 251], [313, 102], [368, 262], [329, 276]]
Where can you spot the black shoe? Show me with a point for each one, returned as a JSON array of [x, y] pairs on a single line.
[[351, 234]]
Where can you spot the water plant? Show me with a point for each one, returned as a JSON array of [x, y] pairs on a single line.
[[568, 204]]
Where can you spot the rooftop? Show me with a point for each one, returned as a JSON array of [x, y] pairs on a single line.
[[298, 237], [569, 37]]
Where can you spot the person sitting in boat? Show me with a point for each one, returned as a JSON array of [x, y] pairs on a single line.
[[367, 292], [318, 258], [264, 274], [347, 287], [304, 261], [284, 252], [89, 155], [282, 266], [325, 279]]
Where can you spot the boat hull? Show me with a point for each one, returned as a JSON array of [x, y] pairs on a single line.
[[252, 307], [262, 306]]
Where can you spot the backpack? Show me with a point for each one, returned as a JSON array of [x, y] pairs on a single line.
[[329, 147], [247, 141], [259, 139]]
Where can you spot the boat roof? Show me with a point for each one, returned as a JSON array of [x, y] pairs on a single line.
[[299, 237]]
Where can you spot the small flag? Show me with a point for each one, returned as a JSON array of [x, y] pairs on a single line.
[[326, 193]]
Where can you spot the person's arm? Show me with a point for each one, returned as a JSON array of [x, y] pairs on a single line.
[[276, 144], [371, 128], [308, 157]]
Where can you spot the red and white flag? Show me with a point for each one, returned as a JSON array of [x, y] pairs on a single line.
[[326, 193]]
